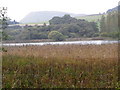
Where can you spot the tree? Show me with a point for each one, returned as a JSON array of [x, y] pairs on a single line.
[[3, 25], [67, 26], [109, 24], [66, 19], [57, 36], [55, 20], [102, 24]]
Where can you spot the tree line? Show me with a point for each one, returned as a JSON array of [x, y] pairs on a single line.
[[59, 29], [109, 24]]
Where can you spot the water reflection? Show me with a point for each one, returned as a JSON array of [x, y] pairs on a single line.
[[95, 42]]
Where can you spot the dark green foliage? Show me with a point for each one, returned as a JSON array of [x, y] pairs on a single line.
[[111, 34], [3, 26], [62, 20], [103, 24], [39, 36], [4, 36], [66, 25]]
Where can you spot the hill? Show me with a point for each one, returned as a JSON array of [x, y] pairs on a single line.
[[93, 17], [114, 9], [43, 16]]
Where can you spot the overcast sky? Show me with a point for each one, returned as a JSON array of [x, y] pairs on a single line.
[[17, 9]]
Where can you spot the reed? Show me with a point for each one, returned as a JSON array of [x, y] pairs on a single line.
[[61, 66]]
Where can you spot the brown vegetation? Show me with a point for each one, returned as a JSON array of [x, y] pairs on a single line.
[[61, 66]]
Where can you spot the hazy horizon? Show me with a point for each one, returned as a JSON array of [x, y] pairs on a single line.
[[18, 9]]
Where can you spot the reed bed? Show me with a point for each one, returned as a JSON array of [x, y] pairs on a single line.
[[61, 66]]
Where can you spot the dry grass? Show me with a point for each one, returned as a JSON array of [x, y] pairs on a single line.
[[61, 66]]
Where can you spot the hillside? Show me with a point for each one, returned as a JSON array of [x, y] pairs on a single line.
[[43, 16], [97, 17], [94, 17], [114, 9]]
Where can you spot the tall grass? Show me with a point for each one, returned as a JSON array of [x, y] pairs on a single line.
[[61, 66]]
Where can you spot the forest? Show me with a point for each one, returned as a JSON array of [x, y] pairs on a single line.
[[61, 28], [65, 27], [109, 24]]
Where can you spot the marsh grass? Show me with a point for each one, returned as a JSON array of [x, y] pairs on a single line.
[[61, 66]]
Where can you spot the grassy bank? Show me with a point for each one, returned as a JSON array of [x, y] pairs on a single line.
[[61, 66], [50, 40]]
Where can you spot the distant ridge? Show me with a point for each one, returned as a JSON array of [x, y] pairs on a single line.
[[114, 9], [42, 16], [94, 15]]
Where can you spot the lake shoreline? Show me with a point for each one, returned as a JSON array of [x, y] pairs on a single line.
[[49, 40], [88, 42]]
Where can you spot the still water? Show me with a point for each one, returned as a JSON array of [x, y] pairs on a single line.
[[94, 42]]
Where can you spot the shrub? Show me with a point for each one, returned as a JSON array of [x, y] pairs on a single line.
[[57, 36], [111, 34]]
